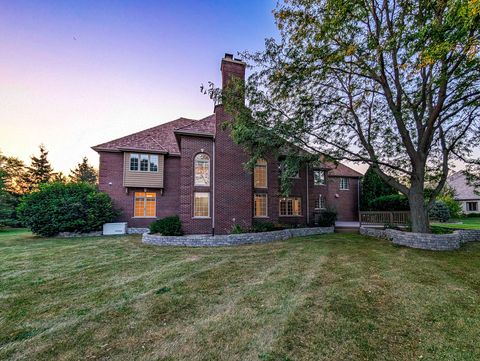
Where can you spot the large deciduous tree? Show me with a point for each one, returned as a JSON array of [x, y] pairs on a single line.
[[394, 84]]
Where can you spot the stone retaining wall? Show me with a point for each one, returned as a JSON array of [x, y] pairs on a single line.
[[433, 242], [232, 239], [137, 230]]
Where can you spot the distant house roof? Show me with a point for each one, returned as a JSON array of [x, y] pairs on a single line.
[[341, 170], [161, 138], [463, 191]]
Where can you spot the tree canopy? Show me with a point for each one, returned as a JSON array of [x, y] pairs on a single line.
[[84, 172], [394, 84]]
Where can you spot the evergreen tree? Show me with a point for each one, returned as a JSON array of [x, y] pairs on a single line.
[[40, 170], [59, 177], [84, 172], [13, 170], [373, 186]]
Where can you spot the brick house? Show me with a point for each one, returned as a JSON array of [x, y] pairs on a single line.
[[193, 169]]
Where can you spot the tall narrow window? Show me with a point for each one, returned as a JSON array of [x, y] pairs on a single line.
[[344, 184], [133, 161], [144, 162], [260, 174], [201, 204], [145, 204], [320, 202], [153, 163], [202, 170], [260, 205], [291, 206], [319, 177]]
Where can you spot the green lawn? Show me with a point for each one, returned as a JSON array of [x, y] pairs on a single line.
[[331, 297], [463, 223]]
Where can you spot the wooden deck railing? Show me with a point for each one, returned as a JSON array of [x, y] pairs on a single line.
[[381, 218]]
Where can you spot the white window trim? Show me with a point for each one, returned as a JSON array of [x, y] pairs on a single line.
[[138, 163], [287, 215], [320, 203], [266, 175], [324, 177], [194, 171], [144, 204], [208, 208], [266, 204], [348, 184]]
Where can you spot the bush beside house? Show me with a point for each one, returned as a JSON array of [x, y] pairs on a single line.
[[168, 226], [71, 207]]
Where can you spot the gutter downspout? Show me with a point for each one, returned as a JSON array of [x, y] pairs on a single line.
[[213, 187], [308, 196]]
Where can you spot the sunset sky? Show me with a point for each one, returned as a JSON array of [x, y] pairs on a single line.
[[77, 73]]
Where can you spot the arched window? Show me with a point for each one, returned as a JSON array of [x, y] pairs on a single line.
[[260, 174], [202, 170]]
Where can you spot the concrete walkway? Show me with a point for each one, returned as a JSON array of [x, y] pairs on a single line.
[[347, 224]]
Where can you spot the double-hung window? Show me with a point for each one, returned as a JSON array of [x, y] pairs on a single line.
[[344, 184], [472, 206], [320, 202], [319, 177], [260, 202], [260, 174], [201, 205]]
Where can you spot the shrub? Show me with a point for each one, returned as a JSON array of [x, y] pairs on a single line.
[[264, 227], [168, 226], [327, 218], [453, 206], [393, 202], [473, 215], [59, 207], [439, 212]]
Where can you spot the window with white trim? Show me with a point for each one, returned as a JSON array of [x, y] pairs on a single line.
[[319, 177], [260, 202], [260, 174], [344, 184], [320, 202], [202, 169], [290, 206], [201, 204], [145, 204], [143, 162]]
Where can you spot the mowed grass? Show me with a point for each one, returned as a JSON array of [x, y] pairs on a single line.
[[462, 223], [331, 297]]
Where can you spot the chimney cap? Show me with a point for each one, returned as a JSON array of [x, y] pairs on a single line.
[[228, 56]]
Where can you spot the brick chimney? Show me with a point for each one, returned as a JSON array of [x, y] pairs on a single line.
[[231, 67]]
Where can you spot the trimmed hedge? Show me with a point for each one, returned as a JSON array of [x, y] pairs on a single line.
[[394, 202], [327, 218], [71, 207], [168, 226]]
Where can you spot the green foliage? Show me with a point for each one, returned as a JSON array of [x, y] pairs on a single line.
[[373, 187], [8, 204], [454, 207], [168, 226], [439, 212], [84, 172], [388, 84], [393, 202], [40, 170], [12, 175], [73, 207], [237, 229], [327, 218], [264, 227]]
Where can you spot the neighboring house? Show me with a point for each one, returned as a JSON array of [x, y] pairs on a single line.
[[193, 169], [464, 193]]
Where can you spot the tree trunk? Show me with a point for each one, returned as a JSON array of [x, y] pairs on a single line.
[[418, 209]]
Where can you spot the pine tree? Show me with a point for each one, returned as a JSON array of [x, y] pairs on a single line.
[[373, 187], [40, 170], [59, 177], [84, 172]]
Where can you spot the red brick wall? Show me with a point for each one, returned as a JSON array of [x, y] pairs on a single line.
[[189, 148], [346, 204], [111, 170]]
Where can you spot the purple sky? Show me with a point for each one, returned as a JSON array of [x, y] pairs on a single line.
[[77, 73]]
